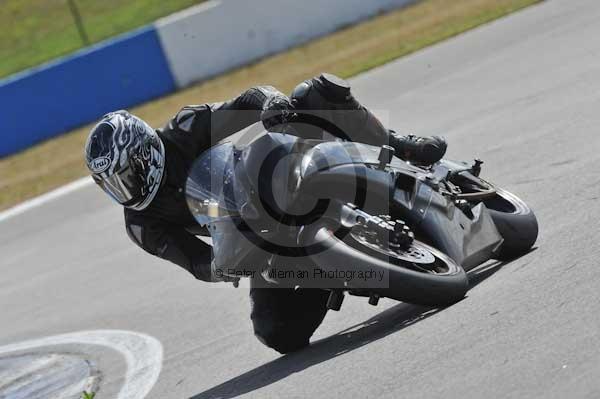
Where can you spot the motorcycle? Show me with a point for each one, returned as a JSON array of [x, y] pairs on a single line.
[[353, 218]]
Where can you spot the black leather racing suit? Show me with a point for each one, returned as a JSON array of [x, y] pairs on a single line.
[[283, 319], [166, 227]]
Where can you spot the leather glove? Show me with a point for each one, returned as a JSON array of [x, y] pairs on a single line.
[[277, 112]]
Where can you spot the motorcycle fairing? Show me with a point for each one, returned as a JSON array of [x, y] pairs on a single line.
[[329, 169], [284, 170]]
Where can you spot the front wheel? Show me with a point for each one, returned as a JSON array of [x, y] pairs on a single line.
[[420, 274]]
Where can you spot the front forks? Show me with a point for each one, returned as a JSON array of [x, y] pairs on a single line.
[[379, 230]]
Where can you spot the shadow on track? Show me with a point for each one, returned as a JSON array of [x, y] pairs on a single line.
[[483, 272], [379, 326], [387, 322]]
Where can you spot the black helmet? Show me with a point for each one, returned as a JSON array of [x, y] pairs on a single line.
[[126, 158]]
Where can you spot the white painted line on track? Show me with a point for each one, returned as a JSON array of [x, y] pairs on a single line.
[[44, 198], [143, 355]]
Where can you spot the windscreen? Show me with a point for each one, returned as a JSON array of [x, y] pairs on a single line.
[[211, 190]]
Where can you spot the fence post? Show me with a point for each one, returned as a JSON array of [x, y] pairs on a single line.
[[78, 22]]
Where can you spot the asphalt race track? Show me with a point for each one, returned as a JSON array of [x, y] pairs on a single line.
[[522, 93]]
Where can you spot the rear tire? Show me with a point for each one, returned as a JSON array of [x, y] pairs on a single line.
[[515, 222]]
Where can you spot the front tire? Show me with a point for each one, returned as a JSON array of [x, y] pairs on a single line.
[[405, 283]]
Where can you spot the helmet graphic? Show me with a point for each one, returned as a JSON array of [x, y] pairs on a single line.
[[126, 158]]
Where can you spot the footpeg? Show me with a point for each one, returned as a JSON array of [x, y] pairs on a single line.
[[386, 154], [476, 168], [374, 299], [336, 297]]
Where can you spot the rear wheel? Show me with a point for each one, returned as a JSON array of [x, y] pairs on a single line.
[[515, 222]]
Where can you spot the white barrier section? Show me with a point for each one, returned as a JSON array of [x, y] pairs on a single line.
[[218, 35]]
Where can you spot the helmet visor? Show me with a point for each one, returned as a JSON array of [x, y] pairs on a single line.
[[125, 186]]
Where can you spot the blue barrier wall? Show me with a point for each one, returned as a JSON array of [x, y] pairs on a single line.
[[56, 97], [173, 52]]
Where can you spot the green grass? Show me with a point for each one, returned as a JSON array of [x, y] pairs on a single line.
[[346, 53], [35, 31]]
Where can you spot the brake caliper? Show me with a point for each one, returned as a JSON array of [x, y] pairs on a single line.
[[381, 230], [401, 237]]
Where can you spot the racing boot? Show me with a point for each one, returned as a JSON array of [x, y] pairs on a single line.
[[418, 150], [334, 109]]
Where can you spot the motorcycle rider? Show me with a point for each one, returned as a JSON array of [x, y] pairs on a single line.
[[145, 170]]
